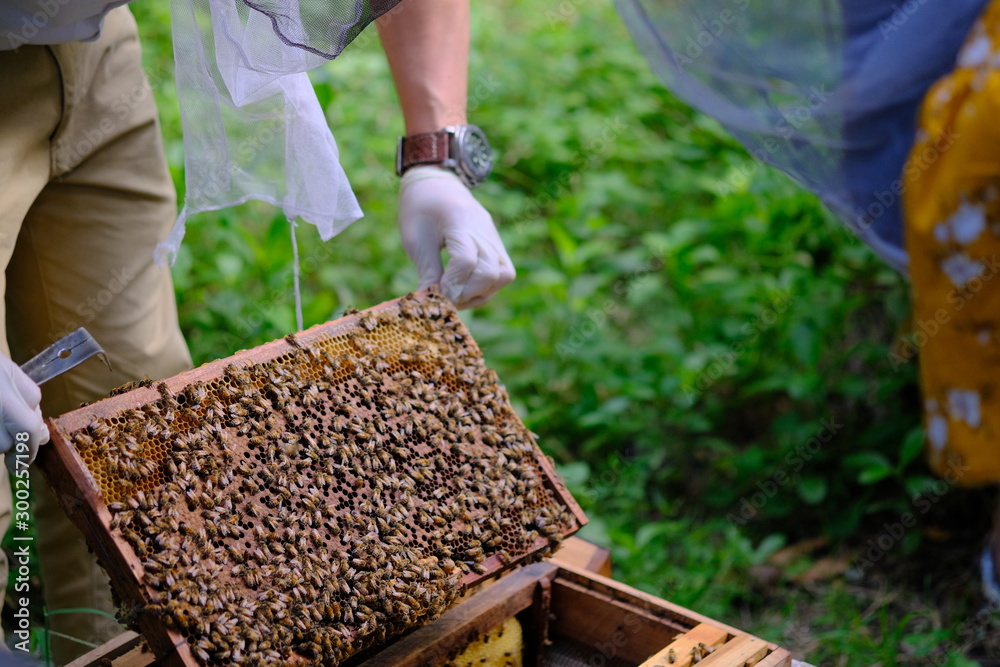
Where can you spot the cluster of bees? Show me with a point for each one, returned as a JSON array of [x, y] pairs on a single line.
[[311, 506], [694, 656]]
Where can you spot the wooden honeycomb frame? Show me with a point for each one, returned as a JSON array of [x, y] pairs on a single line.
[[570, 614], [480, 496]]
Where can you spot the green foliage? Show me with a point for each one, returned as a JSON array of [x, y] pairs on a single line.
[[689, 332]]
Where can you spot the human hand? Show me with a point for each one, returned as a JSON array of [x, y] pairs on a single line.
[[437, 211], [19, 414]]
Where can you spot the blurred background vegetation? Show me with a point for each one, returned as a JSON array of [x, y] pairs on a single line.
[[700, 347]]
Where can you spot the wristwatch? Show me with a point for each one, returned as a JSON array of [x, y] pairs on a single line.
[[461, 148]]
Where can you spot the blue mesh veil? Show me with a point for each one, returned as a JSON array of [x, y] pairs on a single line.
[[826, 91]]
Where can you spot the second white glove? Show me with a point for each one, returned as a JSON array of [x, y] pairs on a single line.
[[437, 211], [20, 415]]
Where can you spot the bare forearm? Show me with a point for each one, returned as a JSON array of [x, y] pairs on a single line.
[[427, 44]]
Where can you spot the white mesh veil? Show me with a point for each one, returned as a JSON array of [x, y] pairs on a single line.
[[253, 128]]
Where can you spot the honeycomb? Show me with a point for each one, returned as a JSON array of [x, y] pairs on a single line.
[[313, 497], [503, 646]]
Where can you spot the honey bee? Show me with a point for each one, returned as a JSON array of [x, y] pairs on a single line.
[[312, 396]]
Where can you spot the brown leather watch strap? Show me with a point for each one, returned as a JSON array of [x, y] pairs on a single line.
[[426, 148]]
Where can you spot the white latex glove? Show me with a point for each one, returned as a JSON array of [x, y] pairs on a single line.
[[437, 211], [19, 414]]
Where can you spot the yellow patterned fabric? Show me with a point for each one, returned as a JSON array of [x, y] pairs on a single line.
[[952, 214], [503, 647]]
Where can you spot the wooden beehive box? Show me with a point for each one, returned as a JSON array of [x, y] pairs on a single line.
[[571, 616], [312, 497]]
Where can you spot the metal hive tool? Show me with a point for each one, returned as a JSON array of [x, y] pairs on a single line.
[[312, 497]]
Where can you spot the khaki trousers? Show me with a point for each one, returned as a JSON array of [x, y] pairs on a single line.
[[85, 195]]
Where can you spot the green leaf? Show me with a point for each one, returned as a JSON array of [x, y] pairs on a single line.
[[958, 660], [576, 473], [872, 466], [874, 474], [866, 459], [919, 485], [564, 243], [912, 447], [648, 534], [805, 343], [812, 490], [768, 546]]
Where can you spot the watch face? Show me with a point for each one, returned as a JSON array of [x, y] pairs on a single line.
[[476, 155]]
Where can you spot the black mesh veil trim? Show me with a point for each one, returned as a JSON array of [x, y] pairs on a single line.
[[322, 27]]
